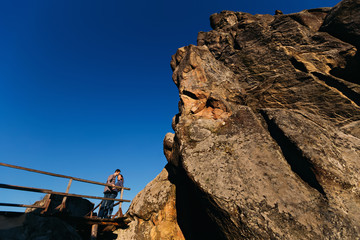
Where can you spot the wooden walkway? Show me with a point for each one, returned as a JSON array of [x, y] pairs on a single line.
[[117, 221]]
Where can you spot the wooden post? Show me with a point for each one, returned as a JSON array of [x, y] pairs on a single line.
[[62, 205], [119, 212], [121, 197], [47, 204], [94, 231]]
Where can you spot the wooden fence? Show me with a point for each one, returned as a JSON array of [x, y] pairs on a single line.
[[62, 206]]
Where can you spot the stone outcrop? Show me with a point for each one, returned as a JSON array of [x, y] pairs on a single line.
[[152, 213], [267, 139], [52, 224], [76, 207], [31, 226]]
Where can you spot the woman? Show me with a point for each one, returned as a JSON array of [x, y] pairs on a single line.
[[119, 183]]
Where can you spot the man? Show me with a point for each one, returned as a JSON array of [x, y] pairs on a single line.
[[108, 205]]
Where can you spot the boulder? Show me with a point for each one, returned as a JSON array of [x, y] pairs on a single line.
[[31, 226], [152, 214], [343, 22], [75, 207]]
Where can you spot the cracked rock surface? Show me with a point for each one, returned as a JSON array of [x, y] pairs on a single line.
[[267, 139]]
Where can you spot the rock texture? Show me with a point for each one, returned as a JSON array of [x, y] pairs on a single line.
[[31, 226], [76, 207], [152, 213], [267, 139], [51, 225]]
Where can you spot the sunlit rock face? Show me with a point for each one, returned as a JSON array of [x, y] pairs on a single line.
[[266, 141], [152, 213], [267, 138]]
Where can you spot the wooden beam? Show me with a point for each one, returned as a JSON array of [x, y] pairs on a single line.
[[63, 203], [104, 221], [30, 189], [118, 222], [20, 205], [59, 175]]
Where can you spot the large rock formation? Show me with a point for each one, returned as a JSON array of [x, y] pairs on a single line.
[[152, 214], [267, 139]]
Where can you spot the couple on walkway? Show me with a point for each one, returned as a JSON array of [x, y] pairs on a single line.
[[111, 192]]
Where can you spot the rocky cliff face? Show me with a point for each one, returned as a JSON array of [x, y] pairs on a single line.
[[267, 139], [152, 214]]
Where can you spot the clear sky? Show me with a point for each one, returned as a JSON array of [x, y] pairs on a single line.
[[85, 86]]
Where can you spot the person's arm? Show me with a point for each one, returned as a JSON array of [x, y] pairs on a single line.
[[108, 181]]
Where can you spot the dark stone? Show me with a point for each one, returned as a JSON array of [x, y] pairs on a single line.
[[343, 22], [31, 226]]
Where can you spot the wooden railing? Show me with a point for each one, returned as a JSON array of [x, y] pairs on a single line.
[[61, 207]]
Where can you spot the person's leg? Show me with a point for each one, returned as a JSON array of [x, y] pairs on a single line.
[[111, 204], [103, 211]]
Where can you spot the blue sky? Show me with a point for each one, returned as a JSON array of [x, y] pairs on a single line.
[[85, 86]]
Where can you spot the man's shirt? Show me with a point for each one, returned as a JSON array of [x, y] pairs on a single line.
[[110, 180]]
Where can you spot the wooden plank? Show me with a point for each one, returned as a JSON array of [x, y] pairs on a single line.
[[118, 222], [30, 189], [20, 205], [104, 221], [59, 175]]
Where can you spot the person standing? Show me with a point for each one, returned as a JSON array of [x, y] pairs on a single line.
[[108, 205], [120, 182]]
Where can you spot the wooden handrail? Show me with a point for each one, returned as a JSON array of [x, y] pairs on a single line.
[[93, 221], [60, 175], [30, 189], [20, 205]]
